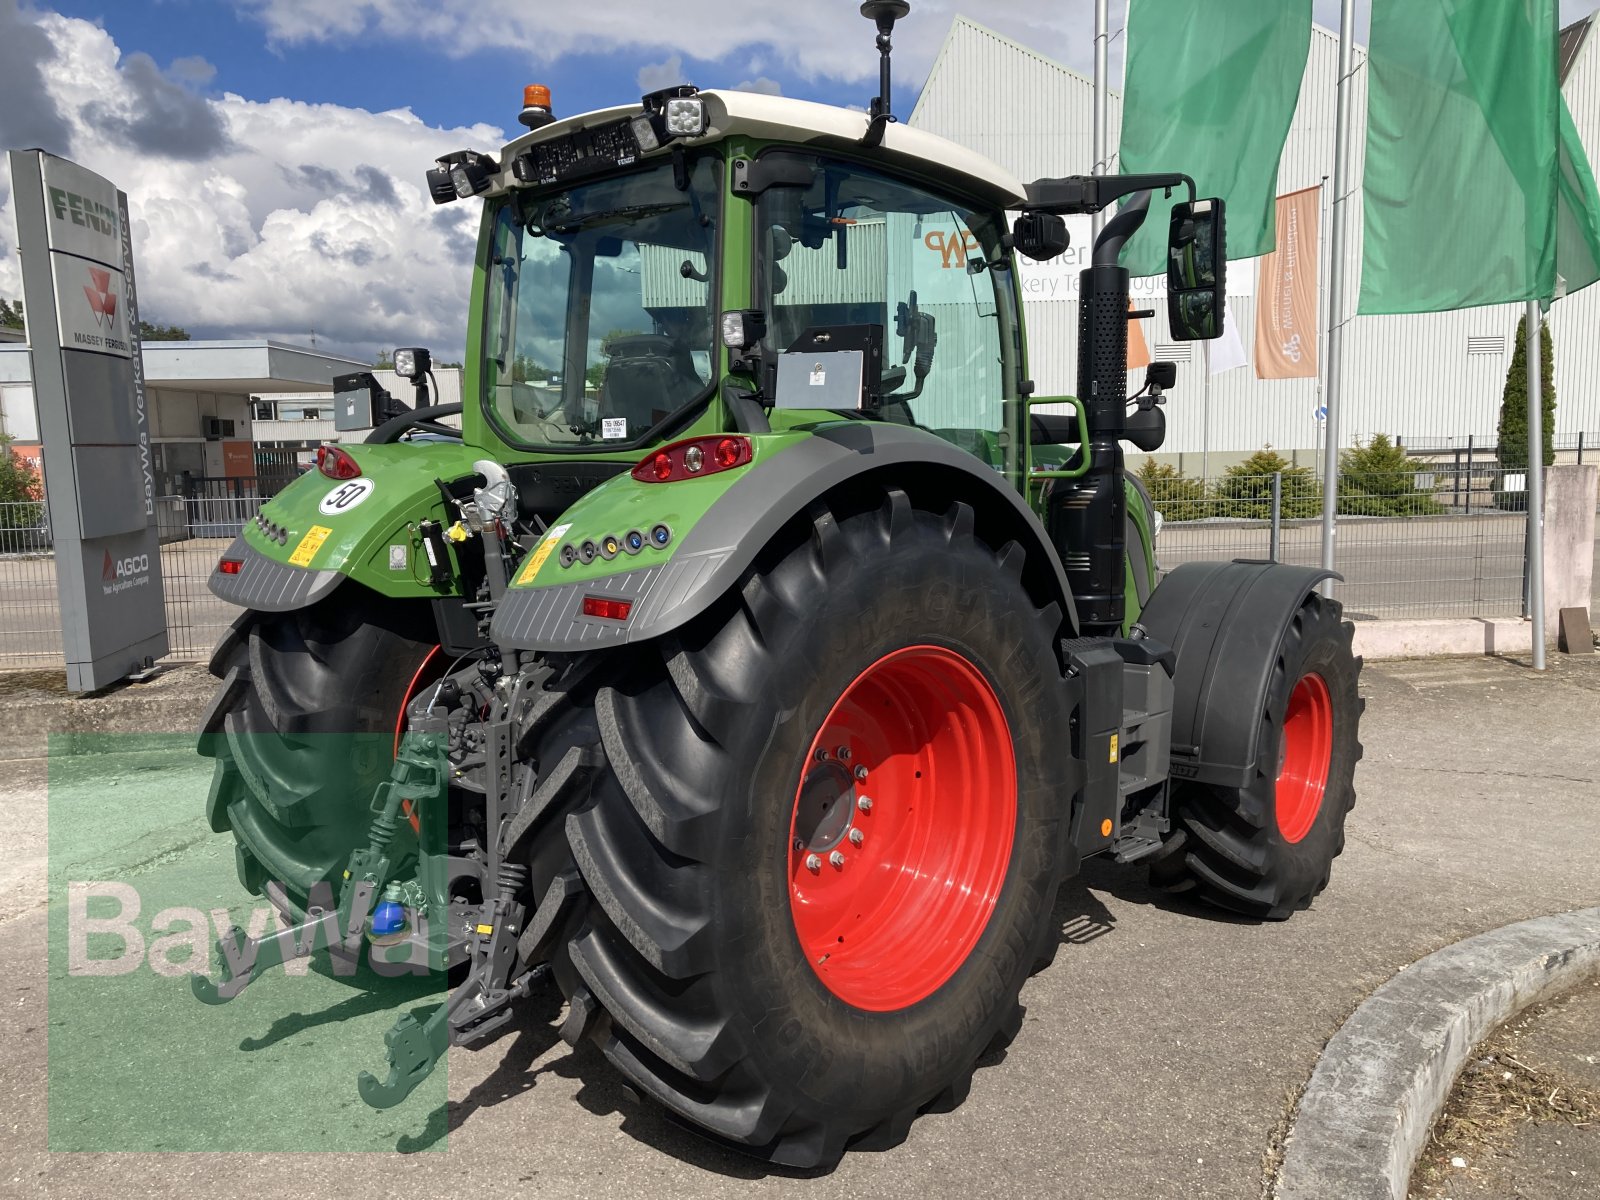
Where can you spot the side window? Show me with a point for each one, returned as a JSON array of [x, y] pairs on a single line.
[[860, 248]]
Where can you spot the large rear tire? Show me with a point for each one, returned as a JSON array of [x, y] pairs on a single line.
[[1266, 850], [785, 1003], [303, 729]]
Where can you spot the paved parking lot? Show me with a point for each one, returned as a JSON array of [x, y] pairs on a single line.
[[1160, 1053]]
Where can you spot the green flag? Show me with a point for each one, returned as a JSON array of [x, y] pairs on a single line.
[[1210, 92], [1477, 190]]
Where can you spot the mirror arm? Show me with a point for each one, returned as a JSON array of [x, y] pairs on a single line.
[[1080, 194], [1119, 229]]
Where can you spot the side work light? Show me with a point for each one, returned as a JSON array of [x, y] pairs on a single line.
[[412, 362]]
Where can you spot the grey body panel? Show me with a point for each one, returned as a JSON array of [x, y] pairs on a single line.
[[716, 552], [270, 586]]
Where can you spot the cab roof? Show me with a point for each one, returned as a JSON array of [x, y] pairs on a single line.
[[802, 122]]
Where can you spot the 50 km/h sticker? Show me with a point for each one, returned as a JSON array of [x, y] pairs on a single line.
[[345, 497]]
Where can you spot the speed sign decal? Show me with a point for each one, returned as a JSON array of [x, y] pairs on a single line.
[[345, 497]]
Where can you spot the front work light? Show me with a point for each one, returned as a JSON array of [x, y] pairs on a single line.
[[743, 328], [461, 175], [686, 116], [644, 132], [412, 362]]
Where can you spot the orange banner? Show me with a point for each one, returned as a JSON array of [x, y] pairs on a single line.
[[1286, 305], [1138, 348]]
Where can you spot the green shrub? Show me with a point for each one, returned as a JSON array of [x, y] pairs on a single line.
[[1378, 480], [1245, 489], [20, 490], [1173, 494]]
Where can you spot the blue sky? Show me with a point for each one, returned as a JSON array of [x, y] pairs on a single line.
[[273, 150]]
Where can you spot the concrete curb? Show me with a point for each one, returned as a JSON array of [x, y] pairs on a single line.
[[1385, 1075], [1429, 638]]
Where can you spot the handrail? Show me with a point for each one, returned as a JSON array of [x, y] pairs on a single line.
[[1082, 468]]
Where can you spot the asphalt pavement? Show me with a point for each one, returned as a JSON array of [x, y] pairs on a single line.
[[1161, 1053]]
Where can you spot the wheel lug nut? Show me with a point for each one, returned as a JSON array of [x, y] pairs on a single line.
[[861, 773], [844, 753], [857, 837], [799, 844], [822, 754], [813, 863], [836, 859], [864, 803]]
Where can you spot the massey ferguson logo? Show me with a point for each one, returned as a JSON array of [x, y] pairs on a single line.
[[119, 574], [102, 300]]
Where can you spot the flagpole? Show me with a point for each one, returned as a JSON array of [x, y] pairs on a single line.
[[1336, 304], [1101, 43], [1535, 492], [1205, 418]]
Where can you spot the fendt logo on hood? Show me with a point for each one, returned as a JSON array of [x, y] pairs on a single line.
[[119, 574], [102, 300]]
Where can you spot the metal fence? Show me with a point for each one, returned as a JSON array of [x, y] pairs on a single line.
[[1415, 543], [193, 535], [1433, 558]]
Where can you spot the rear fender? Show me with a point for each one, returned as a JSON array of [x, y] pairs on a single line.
[[718, 529], [1226, 623]]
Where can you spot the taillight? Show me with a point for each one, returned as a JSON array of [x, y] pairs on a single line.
[[336, 464], [611, 610], [230, 566], [694, 457]]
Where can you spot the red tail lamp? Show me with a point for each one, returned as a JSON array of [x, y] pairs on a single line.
[[230, 566], [610, 610], [336, 464], [694, 457]]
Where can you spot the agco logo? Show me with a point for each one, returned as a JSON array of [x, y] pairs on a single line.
[[102, 300], [118, 574]]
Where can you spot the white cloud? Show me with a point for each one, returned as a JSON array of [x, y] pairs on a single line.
[[654, 76], [767, 87], [308, 217], [824, 39]]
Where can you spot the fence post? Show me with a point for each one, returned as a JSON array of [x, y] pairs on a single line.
[[1580, 449], [1470, 459], [1277, 514]]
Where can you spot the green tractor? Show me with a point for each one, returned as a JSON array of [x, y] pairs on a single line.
[[760, 654]]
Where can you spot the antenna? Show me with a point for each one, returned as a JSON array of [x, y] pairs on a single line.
[[883, 13]]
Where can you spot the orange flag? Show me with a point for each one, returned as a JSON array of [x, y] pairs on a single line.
[[1286, 309], [1138, 349]]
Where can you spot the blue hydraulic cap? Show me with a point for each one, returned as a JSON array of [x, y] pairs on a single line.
[[388, 918]]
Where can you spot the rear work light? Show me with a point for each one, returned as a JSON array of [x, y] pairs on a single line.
[[336, 464], [694, 457], [611, 610]]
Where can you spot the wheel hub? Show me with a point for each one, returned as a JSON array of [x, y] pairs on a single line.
[[902, 828]]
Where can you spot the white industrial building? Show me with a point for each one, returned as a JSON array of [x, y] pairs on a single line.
[[1432, 380]]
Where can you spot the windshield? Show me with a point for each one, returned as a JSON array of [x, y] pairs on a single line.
[[599, 320]]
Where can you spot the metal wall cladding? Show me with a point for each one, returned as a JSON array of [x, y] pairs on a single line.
[[1411, 377]]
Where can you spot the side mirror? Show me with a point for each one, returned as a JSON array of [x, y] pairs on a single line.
[[1196, 270], [1040, 236], [1162, 376]]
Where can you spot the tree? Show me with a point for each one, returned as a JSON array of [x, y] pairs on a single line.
[[1172, 493], [1377, 480], [1513, 431], [161, 333], [383, 362], [20, 490], [10, 314], [1245, 489], [1514, 401]]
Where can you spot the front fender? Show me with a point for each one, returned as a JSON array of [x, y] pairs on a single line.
[[311, 544], [1226, 622], [719, 529]]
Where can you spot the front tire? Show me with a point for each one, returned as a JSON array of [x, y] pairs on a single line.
[[681, 917], [303, 729], [1266, 850]]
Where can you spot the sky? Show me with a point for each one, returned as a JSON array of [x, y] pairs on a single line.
[[273, 151]]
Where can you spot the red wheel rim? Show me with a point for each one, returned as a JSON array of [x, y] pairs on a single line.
[[1306, 753], [921, 816]]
